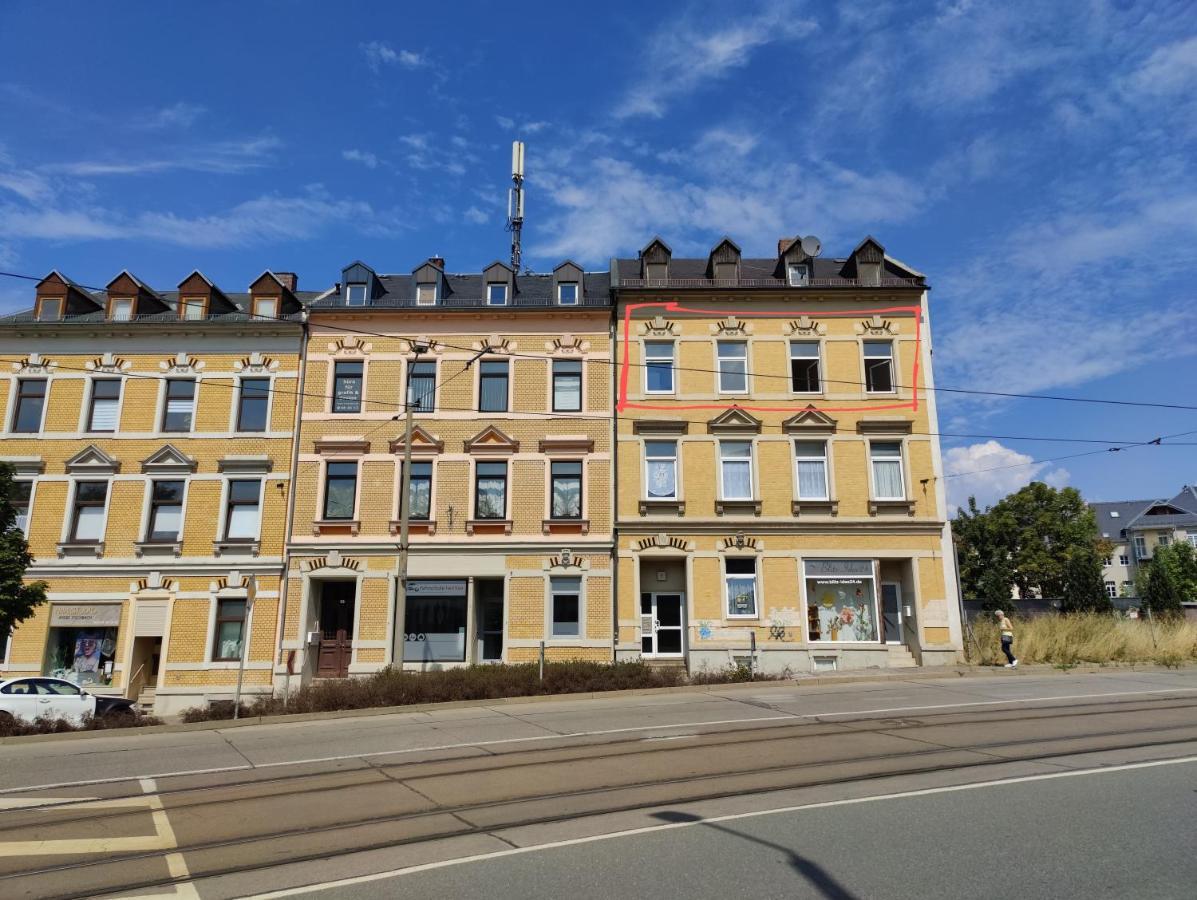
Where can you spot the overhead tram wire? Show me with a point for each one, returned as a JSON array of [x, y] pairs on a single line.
[[615, 362]]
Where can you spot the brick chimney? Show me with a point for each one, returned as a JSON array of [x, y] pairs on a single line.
[[784, 242], [289, 279]]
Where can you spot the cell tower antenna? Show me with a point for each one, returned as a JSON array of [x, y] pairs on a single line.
[[515, 202]]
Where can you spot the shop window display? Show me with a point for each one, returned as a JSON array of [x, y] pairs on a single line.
[[82, 655], [841, 601]]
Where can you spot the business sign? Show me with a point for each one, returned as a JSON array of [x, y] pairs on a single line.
[[73, 615], [859, 568], [436, 588]]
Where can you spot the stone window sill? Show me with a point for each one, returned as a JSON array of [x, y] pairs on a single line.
[[159, 548], [415, 526], [891, 507], [653, 507], [236, 548], [488, 526], [336, 526], [737, 507], [81, 548], [565, 526], [815, 507]]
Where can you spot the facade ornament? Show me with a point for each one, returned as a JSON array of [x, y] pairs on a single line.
[[567, 344], [805, 325], [34, 364], [352, 346], [495, 344], [731, 325], [256, 363], [876, 326], [659, 326], [182, 364], [108, 364]]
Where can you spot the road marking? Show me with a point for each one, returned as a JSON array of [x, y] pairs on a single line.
[[68, 846], [670, 826], [581, 734], [175, 864]]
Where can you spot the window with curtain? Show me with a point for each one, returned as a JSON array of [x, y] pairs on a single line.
[[419, 494], [733, 367], [804, 367], [735, 464], [105, 404], [811, 458], [347, 386], [230, 629], [660, 464], [888, 483], [180, 404], [166, 511], [566, 596], [340, 490], [492, 385], [421, 386], [566, 485], [879, 367], [567, 385], [120, 309], [490, 490], [266, 308], [739, 581], [658, 367], [22, 494], [243, 510], [87, 521]]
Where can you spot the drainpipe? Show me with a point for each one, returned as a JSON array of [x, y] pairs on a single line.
[[613, 493], [284, 580]]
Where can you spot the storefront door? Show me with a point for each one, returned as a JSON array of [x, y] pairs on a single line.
[[336, 629], [891, 612], [662, 624]]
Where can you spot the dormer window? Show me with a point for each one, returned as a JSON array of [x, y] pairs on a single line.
[[657, 271], [266, 308], [496, 295], [426, 294], [193, 309], [120, 309], [49, 309], [355, 295], [567, 293], [798, 274], [725, 271]]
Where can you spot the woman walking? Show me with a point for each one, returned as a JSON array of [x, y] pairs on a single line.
[[1007, 629]]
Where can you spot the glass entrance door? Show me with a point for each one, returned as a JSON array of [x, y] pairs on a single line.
[[662, 623], [891, 612]]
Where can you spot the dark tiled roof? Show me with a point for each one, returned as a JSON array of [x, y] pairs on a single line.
[[757, 272], [1164, 521], [469, 291], [171, 298], [1127, 510]]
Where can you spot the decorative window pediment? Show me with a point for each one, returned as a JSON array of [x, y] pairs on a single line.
[[422, 443], [491, 440], [168, 461], [877, 326], [567, 345], [659, 326], [495, 344], [109, 364], [256, 364], [92, 460], [566, 445], [732, 325], [34, 364], [352, 346], [182, 364], [809, 421], [807, 327], [734, 421], [25, 466]]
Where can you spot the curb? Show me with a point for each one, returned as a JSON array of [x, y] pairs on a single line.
[[898, 675]]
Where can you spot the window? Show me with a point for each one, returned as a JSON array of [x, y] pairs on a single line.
[[426, 294], [166, 511], [1114, 514], [49, 309], [22, 493], [105, 404], [355, 295], [1111, 590], [253, 404], [192, 309], [733, 367], [840, 600], [1108, 561], [31, 400], [340, 490], [120, 309], [725, 271], [1123, 559], [1140, 546], [739, 581], [492, 385], [811, 459], [347, 387], [567, 606], [490, 490], [230, 630], [87, 515], [421, 386], [419, 493], [660, 470], [243, 508], [1128, 589], [567, 385], [566, 478], [496, 295], [804, 367], [567, 293], [1164, 540], [797, 274], [658, 367], [180, 404], [1192, 537], [266, 308], [888, 483], [879, 367], [735, 470], [657, 271]]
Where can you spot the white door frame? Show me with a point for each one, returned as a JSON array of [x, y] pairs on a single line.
[[901, 619], [657, 628]]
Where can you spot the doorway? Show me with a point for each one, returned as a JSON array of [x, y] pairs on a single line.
[[336, 628], [891, 612], [488, 598], [662, 624]]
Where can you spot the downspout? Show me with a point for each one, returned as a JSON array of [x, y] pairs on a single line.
[[285, 580], [613, 333]]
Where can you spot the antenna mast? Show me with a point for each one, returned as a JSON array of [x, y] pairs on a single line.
[[515, 202]]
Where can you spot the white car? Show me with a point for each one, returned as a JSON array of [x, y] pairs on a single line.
[[54, 698]]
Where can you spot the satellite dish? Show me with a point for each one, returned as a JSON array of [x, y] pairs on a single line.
[[811, 245]]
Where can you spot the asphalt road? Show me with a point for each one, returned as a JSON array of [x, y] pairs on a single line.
[[532, 794]]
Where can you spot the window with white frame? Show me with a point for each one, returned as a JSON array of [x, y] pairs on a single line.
[[193, 308], [340, 490], [419, 494], [230, 630], [797, 274], [347, 386], [20, 499], [660, 470], [566, 601], [493, 381], [421, 386], [166, 511], [739, 580], [567, 293], [105, 404], [87, 511], [567, 385], [804, 367], [1140, 546], [266, 308], [888, 482], [565, 489], [735, 470], [243, 509], [490, 490], [253, 404], [658, 367], [496, 294], [355, 295], [180, 404], [1111, 590], [733, 367], [1192, 537], [31, 402], [811, 461], [1123, 559], [879, 367], [49, 309], [120, 309]]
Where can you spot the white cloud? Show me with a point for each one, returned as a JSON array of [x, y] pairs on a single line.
[[380, 53], [365, 157], [410, 59], [220, 157], [505, 122], [993, 471], [178, 115], [684, 55], [1170, 69], [475, 216]]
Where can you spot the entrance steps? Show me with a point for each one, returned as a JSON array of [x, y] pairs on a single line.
[[145, 700], [900, 657]]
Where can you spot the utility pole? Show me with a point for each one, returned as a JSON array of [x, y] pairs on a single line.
[[251, 594], [404, 520]]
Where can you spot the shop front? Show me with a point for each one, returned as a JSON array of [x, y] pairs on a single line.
[[82, 643], [841, 601], [434, 622]]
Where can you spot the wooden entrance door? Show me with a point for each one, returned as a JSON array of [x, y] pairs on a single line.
[[336, 629]]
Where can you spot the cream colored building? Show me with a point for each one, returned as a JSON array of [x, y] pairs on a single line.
[[777, 467]]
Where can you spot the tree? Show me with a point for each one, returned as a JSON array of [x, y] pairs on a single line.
[[1084, 586], [18, 599], [1169, 579], [1039, 540]]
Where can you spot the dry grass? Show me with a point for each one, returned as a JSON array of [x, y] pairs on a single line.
[[1088, 638]]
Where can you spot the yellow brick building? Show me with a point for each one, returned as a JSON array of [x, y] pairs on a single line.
[[778, 474], [151, 436], [511, 490]]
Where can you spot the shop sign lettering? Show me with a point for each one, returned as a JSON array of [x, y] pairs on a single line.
[[63, 615], [840, 567]]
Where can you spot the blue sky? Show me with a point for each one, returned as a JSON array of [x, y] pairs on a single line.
[[1035, 160]]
